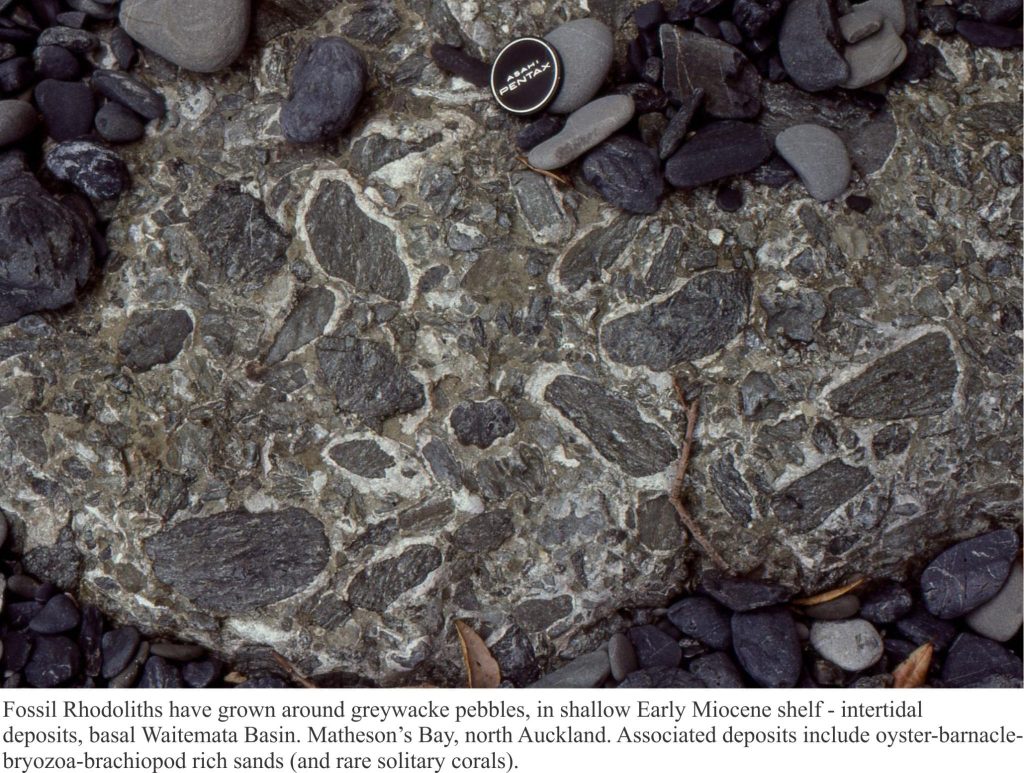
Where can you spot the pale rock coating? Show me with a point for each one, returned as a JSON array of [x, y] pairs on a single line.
[[584, 129], [819, 156], [874, 57], [585, 47], [199, 35]]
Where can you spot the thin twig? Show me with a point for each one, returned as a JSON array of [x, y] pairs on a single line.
[[546, 172], [676, 494], [297, 675]]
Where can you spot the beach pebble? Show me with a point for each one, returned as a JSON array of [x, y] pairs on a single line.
[[809, 41], [731, 84], [627, 173], [874, 57], [661, 678], [716, 151], [1000, 617], [129, 92], [60, 614], [742, 595], [68, 108], [886, 603], [859, 24], [717, 671], [968, 574], [96, 171], [586, 47], [704, 619], [587, 127], [973, 659], [116, 123], [621, 656], [198, 35], [328, 82], [17, 120], [853, 645], [588, 670], [767, 646], [819, 157]]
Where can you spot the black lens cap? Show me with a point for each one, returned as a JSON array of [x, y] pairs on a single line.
[[526, 76]]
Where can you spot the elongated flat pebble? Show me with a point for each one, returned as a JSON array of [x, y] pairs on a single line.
[[859, 24], [874, 57], [968, 574], [584, 129], [820, 158], [585, 47], [588, 670], [1000, 617], [718, 150], [621, 656]]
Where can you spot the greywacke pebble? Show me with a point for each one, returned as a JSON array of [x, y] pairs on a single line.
[[129, 92], [704, 619], [96, 171], [627, 173], [621, 657], [583, 130], [874, 57], [1000, 617], [116, 123], [972, 660], [809, 45], [328, 82], [819, 157], [199, 35], [588, 670], [716, 151], [661, 678], [767, 646], [853, 645], [585, 47], [17, 120], [857, 25], [968, 574]]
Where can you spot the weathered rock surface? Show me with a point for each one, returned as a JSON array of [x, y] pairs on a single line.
[[234, 562], [367, 378]]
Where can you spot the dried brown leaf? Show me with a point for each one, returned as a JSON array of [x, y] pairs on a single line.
[[829, 595], [482, 669], [913, 671], [297, 675]]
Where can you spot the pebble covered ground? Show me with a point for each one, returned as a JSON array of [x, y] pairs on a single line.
[[297, 354]]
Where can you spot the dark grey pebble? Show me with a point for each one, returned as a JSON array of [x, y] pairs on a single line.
[[992, 11], [886, 603], [327, 86], [96, 171], [16, 74], [974, 659], [717, 671], [703, 619], [179, 652], [654, 648], [54, 661], [649, 15], [116, 123], [968, 574], [752, 16], [159, 674], [45, 591], [534, 133], [60, 614], [90, 637], [56, 62], [767, 646], [940, 18], [718, 150], [920, 626], [731, 84], [67, 107], [17, 646], [982, 34], [20, 614], [78, 41], [627, 174], [898, 650], [22, 585], [130, 675], [457, 62], [742, 595], [129, 92], [74, 19], [119, 647], [809, 45], [103, 10], [588, 670], [729, 198], [201, 673], [621, 656], [661, 678], [123, 48], [679, 123]]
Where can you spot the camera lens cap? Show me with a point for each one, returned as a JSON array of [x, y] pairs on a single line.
[[526, 76]]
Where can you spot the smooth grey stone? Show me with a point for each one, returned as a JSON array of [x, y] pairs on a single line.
[[199, 35], [90, 638], [874, 58], [892, 10], [179, 652], [1000, 617], [202, 673], [586, 47], [583, 130], [627, 173], [836, 609], [58, 616], [819, 157], [17, 119], [858, 25], [131, 673], [920, 626], [972, 661], [853, 645], [76, 41], [588, 670], [621, 656], [654, 648], [159, 674], [68, 108]]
